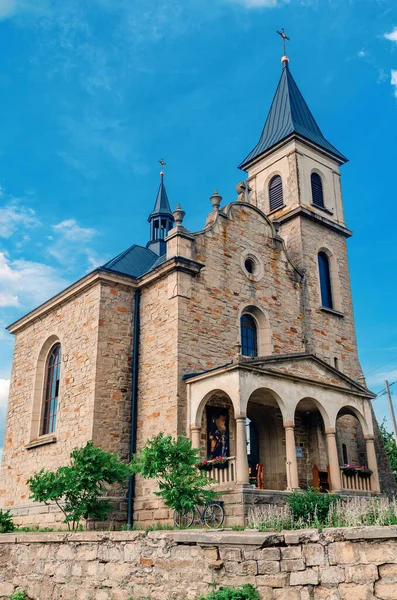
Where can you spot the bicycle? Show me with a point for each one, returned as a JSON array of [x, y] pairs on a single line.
[[212, 516]]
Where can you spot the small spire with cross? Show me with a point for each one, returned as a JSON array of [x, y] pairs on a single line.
[[284, 39], [163, 164]]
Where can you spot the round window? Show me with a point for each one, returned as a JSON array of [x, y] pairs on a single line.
[[249, 266]]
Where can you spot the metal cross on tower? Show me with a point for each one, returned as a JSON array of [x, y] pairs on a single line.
[[285, 39]]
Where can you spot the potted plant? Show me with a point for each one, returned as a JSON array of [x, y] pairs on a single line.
[[364, 472], [220, 462], [205, 465], [349, 470]]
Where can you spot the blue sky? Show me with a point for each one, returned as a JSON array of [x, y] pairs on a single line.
[[93, 93]]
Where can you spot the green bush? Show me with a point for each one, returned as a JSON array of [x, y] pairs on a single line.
[[6, 522], [18, 596], [77, 488], [172, 463], [245, 592], [311, 506]]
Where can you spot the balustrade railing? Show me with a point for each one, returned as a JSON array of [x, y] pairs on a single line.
[[222, 473], [356, 482]]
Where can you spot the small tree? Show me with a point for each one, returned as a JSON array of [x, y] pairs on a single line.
[[6, 522], [76, 489], [390, 447], [172, 463]]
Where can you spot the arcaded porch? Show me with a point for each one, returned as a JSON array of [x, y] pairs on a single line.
[[281, 432]]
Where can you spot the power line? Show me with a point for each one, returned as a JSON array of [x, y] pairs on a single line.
[[384, 391], [380, 366]]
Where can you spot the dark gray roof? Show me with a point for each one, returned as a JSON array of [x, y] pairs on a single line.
[[289, 114], [162, 206], [134, 262]]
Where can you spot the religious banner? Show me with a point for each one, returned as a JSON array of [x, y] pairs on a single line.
[[218, 432]]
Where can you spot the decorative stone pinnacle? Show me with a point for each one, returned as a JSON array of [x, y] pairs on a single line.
[[216, 200], [179, 215]]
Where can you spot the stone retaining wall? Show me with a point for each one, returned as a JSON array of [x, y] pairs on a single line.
[[351, 563]]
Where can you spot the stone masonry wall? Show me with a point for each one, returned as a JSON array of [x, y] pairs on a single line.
[[75, 324], [359, 563]]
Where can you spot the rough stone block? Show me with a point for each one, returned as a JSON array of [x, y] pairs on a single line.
[[389, 571], [356, 591], [332, 575], [326, 593], [361, 574], [291, 552], [313, 554], [292, 565], [385, 590], [278, 580], [343, 553], [230, 554], [307, 577], [268, 567], [286, 594]]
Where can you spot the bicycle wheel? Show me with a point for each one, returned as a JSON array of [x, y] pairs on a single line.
[[214, 515], [183, 520]]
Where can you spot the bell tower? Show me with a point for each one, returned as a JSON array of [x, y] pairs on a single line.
[[161, 220], [294, 176]]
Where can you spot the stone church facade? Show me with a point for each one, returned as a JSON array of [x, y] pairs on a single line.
[[240, 336]]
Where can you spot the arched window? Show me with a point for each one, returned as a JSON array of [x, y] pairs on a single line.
[[249, 336], [317, 190], [276, 192], [51, 392], [325, 280]]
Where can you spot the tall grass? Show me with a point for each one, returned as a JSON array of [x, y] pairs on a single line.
[[352, 512]]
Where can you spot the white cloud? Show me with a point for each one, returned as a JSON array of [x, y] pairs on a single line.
[[4, 389], [392, 36], [7, 8], [14, 217], [377, 379], [394, 81], [7, 299], [71, 231], [27, 283]]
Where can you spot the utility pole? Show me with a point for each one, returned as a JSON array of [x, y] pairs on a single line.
[[392, 415]]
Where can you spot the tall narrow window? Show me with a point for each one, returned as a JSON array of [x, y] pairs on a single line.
[[249, 336], [276, 192], [51, 393], [325, 280], [317, 190], [344, 453]]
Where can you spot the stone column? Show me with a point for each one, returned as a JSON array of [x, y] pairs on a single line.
[[292, 465], [372, 464], [242, 476], [195, 436], [336, 483]]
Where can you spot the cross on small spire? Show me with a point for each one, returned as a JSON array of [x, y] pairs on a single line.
[[284, 39], [163, 164]]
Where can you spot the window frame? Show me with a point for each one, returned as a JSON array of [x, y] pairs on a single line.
[[325, 280], [246, 344], [50, 403], [320, 189], [279, 197]]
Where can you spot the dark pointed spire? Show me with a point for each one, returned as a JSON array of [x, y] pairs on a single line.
[[162, 205], [289, 116], [161, 220]]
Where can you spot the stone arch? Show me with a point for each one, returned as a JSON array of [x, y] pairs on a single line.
[[311, 421], [219, 404], [262, 321], [334, 274], [39, 384], [262, 395], [350, 438], [348, 409], [267, 452]]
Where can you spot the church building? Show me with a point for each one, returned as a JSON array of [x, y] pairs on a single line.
[[240, 336]]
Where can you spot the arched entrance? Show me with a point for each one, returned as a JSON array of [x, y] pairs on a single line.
[[350, 439], [265, 442], [311, 446]]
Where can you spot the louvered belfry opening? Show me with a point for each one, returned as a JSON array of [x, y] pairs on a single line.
[[317, 190], [276, 192]]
